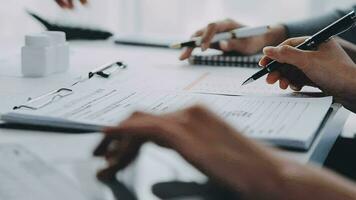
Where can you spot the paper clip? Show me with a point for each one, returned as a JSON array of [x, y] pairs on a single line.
[[52, 96]]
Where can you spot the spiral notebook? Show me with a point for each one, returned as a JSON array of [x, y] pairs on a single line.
[[226, 60]]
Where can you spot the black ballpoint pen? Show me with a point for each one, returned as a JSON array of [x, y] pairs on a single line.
[[340, 26]]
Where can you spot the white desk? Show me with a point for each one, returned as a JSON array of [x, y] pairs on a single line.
[[72, 153]]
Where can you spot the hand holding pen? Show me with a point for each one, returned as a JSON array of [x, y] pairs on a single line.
[[329, 68], [338, 27], [247, 46]]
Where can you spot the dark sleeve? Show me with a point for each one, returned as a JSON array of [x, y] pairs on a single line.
[[310, 26]]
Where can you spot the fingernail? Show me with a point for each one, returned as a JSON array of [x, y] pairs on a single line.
[[223, 44]]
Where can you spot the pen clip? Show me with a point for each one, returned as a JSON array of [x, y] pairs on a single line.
[[106, 70], [54, 95]]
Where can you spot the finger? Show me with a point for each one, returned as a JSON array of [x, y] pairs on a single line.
[[289, 55], [120, 158], [198, 33], [265, 60], [283, 83], [83, 2], [208, 36], [62, 3], [70, 4], [186, 53], [119, 154], [273, 77], [103, 146], [293, 41], [124, 152], [109, 172], [228, 25]]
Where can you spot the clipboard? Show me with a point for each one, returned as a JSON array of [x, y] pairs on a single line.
[[104, 71], [32, 122]]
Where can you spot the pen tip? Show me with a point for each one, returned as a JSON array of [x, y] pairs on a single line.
[[248, 81], [175, 46]]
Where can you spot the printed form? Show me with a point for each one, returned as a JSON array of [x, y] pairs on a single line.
[[230, 84], [284, 121]]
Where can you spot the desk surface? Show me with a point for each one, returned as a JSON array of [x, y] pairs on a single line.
[[72, 153]]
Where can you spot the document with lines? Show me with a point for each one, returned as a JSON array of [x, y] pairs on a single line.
[[285, 121], [230, 84]]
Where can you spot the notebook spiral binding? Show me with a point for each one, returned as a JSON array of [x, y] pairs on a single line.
[[226, 61]]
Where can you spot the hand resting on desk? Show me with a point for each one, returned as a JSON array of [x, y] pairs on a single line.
[[223, 154], [328, 68]]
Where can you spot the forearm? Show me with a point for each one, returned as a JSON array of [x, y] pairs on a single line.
[[306, 183], [281, 179], [310, 26]]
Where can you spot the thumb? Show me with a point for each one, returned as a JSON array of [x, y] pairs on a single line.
[[289, 55]]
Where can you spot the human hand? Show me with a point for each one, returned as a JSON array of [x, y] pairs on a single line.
[[245, 46], [328, 68], [350, 48], [202, 139], [223, 154], [69, 3]]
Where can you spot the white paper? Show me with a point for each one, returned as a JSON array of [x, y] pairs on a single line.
[[277, 119], [231, 84], [349, 130], [24, 176]]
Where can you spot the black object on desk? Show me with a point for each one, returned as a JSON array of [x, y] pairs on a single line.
[[340, 26], [14, 126], [205, 191], [120, 190], [73, 33], [145, 40], [341, 158], [76, 33]]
